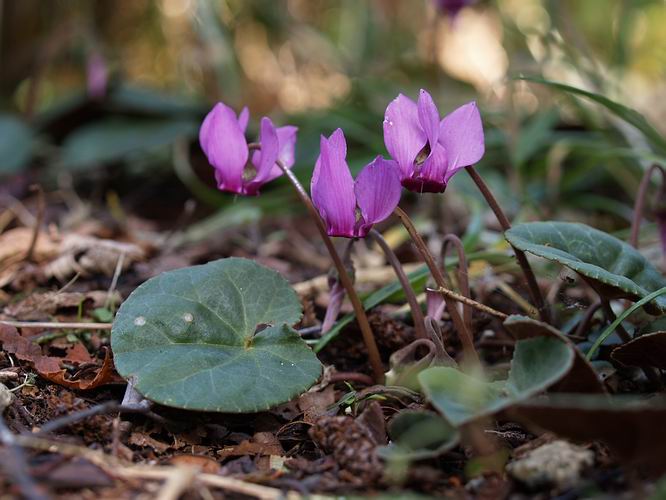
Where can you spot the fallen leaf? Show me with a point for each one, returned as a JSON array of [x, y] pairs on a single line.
[[203, 463], [646, 350], [144, 440], [632, 428], [50, 368]]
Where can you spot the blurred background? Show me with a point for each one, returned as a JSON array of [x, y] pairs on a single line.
[[104, 98]]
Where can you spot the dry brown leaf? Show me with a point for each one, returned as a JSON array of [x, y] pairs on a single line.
[[50, 368], [144, 440], [201, 462], [40, 306]]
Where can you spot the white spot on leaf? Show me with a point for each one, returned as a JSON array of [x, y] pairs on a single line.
[[188, 318], [139, 321]]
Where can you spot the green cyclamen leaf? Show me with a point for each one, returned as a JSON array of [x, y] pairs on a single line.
[[618, 269], [214, 337], [537, 364]]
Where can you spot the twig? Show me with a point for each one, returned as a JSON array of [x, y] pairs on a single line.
[[639, 205], [465, 335], [533, 286], [16, 465], [470, 302], [114, 280], [108, 407], [57, 325], [361, 317], [41, 206], [585, 321], [361, 378], [417, 314], [463, 279]]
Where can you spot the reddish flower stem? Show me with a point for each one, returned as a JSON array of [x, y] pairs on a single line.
[[640, 201], [417, 314], [465, 335], [533, 286], [361, 317]]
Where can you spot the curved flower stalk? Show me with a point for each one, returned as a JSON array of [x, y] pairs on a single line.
[[350, 207], [429, 151], [222, 138]]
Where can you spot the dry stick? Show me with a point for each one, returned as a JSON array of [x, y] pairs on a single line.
[[533, 286], [640, 201], [16, 464], [469, 302], [417, 314], [41, 206], [361, 318], [56, 325], [463, 279], [585, 321], [465, 335]]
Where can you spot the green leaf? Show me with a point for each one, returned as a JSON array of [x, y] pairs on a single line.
[[116, 139], [629, 115], [418, 435], [16, 140], [193, 338], [537, 364], [615, 268]]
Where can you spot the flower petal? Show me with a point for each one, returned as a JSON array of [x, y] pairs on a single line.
[[433, 174], [461, 134], [243, 118], [270, 148], [332, 187], [428, 117], [287, 144], [287, 139], [377, 190], [403, 135], [224, 143]]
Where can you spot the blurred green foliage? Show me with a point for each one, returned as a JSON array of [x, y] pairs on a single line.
[[575, 148]]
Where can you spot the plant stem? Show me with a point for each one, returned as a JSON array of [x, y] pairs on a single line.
[[639, 205], [361, 318], [465, 335], [533, 286], [611, 318], [417, 314], [463, 279], [470, 302]]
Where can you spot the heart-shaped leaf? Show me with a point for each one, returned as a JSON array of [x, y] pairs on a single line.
[[581, 378], [417, 435], [613, 267], [214, 337], [537, 364]]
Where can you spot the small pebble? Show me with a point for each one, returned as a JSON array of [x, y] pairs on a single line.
[[6, 397]]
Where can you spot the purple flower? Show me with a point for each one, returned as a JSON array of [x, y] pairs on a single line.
[[222, 138], [97, 75], [430, 151], [350, 208]]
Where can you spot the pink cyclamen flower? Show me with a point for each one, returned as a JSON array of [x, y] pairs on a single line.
[[430, 151], [350, 207], [222, 138], [97, 75]]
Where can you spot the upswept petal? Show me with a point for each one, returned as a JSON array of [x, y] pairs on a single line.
[[377, 190], [428, 117], [332, 187], [287, 145], [224, 143], [243, 118], [461, 134], [287, 139], [434, 171], [265, 158], [403, 135]]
